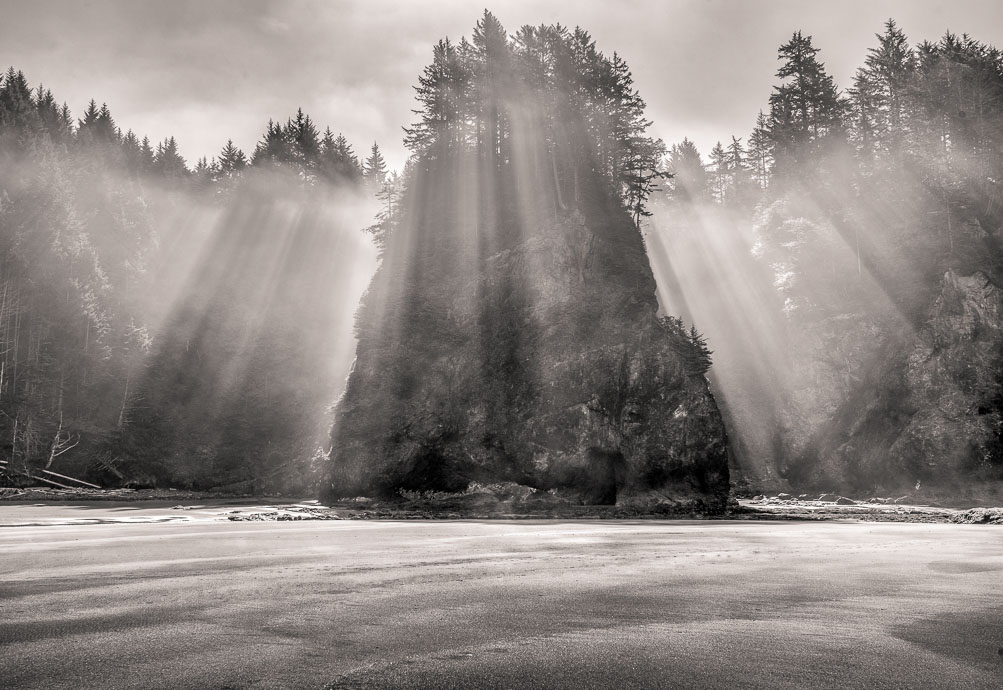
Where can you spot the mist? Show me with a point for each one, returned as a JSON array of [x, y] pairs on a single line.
[[174, 325], [846, 273], [555, 403], [255, 336], [193, 324]]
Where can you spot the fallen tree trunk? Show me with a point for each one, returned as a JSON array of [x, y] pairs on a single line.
[[72, 479]]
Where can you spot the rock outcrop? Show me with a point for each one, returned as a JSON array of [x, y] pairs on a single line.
[[934, 422], [543, 363], [511, 334]]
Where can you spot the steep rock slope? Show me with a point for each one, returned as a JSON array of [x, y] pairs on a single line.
[[936, 424]]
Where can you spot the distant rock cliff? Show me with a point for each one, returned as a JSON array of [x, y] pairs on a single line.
[[935, 421], [543, 363]]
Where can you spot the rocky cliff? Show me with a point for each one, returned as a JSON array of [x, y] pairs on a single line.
[[543, 363], [934, 422]]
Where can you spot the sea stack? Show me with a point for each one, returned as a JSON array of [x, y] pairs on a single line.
[[511, 333]]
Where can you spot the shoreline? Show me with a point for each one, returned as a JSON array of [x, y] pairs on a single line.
[[42, 507]]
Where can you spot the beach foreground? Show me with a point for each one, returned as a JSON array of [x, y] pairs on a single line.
[[203, 603]]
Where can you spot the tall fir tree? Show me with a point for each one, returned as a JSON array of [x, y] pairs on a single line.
[[720, 173], [880, 94], [232, 160], [689, 177], [374, 169], [338, 162], [806, 110]]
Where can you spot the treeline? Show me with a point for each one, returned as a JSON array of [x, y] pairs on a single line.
[[102, 259], [550, 90], [904, 167], [859, 202], [513, 133]]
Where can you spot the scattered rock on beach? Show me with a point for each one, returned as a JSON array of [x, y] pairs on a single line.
[[979, 516]]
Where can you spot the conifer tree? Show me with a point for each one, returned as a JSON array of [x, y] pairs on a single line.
[[231, 160], [719, 173], [374, 169], [337, 160], [169, 163], [806, 111], [443, 91], [50, 116], [132, 151], [304, 140], [760, 154], [17, 106], [146, 154], [635, 165], [272, 149], [492, 72], [97, 127], [740, 191], [880, 94], [689, 178], [388, 217], [203, 174]]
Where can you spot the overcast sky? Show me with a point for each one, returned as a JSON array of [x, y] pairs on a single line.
[[208, 70]]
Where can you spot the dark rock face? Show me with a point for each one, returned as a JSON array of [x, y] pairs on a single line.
[[542, 363], [936, 421]]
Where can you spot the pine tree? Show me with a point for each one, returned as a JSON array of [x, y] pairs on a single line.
[[374, 169], [719, 173], [97, 126], [388, 217], [338, 163], [204, 174], [66, 122], [90, 118], [132, 151], [304, 140], [640, 180], [880, 94], [18, 115], [169, 163], [231, 161], [443, 92], [50, 117], [635, 164], [146, 155], [492, 83], [806, 110], [740, 191], [689, 178], [273, 148], [106, 126]]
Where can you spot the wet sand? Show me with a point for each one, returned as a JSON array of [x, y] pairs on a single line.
[[202, 603]]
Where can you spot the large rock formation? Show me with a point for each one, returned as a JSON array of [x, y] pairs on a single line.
[[511, 333], [543, 364], [934, 422]]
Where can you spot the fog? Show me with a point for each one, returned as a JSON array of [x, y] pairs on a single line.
[[173, 324], [191, 323], [253, 302]]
